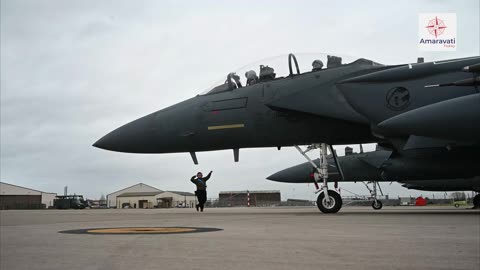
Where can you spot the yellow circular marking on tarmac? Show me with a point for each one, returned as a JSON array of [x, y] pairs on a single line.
[[142, 230]]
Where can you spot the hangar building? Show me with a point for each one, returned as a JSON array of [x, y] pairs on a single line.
[[156, 199], [140, 187], [145, 196], [17, 197], [257, 198]]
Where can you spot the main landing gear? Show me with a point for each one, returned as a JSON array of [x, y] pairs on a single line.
[[376, 203], [328, 201]]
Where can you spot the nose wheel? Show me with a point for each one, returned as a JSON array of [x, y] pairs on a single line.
[[329, 205], [377, 205]]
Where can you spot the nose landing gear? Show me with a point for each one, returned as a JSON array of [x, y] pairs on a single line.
[[328, 201], [376, 203]]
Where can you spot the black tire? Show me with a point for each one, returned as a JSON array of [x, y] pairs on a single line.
[[476, 201], [333, 207], [456, 205], [377, 205]]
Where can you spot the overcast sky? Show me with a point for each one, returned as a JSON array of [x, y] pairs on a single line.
[[72, 71]]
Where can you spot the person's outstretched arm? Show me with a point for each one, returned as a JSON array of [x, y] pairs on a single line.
[[193, 179], [208, 176]]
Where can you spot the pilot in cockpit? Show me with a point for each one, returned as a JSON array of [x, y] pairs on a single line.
[[236, 78], [252, 77], [317, 65]]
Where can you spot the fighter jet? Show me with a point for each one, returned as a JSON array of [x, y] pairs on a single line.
[[346, 102], [443, 173]]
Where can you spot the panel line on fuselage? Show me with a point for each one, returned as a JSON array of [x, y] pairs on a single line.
[[226, 126]]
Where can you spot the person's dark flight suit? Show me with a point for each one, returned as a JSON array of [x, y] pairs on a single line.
[[201, 192]]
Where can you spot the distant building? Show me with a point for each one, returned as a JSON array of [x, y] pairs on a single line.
[[168, 199], [406, 200], [137, 199], [257, 198], [156, 199], [140, 187], [17, 197]]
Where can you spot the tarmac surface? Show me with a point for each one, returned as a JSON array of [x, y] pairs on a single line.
[[251, 238]]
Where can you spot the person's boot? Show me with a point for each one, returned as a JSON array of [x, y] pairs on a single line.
[[196, 206]]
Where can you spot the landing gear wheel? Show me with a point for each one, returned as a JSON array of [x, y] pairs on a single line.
[[377, 205], [476, 201], [331, 206]]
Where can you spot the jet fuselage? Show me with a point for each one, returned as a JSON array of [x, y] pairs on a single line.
[[338, 105]]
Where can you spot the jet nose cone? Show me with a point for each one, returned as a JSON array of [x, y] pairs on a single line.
[[277, 177], [297, 174], [289, 175], [106, 143], [99, 143], [134, 137]]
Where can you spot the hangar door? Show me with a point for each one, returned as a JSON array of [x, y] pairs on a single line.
[[21, 202]]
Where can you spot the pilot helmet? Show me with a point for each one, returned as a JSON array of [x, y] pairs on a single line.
[[251, 75], [317, 64]]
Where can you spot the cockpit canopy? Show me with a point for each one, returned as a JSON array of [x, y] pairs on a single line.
[[279, 67]]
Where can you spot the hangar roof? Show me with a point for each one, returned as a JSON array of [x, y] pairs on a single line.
[[182, 193], [153, 193], [139, 194], [139, 184], [22, 188]]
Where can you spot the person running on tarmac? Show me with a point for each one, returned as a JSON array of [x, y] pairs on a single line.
[[201, 183]]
